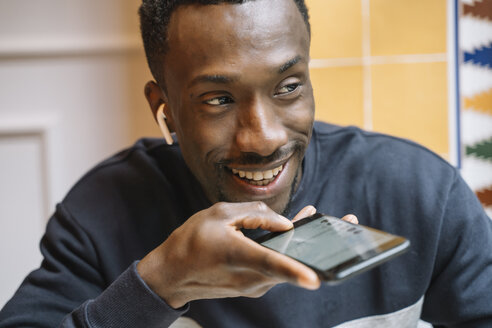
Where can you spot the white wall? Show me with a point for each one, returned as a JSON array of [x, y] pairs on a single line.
[[71, 93]]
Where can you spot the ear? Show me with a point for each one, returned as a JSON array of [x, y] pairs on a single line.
[[156, 97]]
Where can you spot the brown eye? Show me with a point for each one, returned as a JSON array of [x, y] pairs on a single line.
[[217, 101], [286, 89]]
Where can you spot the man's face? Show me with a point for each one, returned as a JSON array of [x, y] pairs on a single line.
[[239, 97]]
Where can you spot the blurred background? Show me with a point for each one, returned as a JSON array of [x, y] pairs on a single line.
[[71, 93], [417, 69]]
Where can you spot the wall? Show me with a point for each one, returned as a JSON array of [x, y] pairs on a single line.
[[384, 65], [415, 69], [71, 76]]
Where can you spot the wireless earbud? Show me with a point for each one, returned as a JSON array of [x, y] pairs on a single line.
[[161, 120]]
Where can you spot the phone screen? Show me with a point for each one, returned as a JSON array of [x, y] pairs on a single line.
[[324, 242]]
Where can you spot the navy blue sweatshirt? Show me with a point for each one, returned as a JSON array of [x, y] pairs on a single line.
[[129, 204]]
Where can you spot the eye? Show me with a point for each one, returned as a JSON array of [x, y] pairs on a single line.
[[217, 101], [286, 89]]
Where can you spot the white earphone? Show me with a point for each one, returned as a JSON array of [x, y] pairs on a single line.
[[161, 120]]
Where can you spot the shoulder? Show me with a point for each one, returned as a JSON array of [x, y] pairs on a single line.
[[375, 151], [382, 175], [137, 184], [146, 158]]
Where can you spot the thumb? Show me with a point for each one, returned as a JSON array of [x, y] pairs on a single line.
[[305, 212], [351, 218]]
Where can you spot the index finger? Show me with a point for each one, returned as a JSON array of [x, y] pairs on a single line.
[[253, 215]]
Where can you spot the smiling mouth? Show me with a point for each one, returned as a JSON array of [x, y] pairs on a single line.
[[258, 178]]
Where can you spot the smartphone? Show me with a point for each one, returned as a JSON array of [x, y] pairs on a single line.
[[335, 249]]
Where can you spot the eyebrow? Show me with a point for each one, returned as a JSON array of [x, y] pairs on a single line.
[[216, 78], [222, 79], [289, 64]]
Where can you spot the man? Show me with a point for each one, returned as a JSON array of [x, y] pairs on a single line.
[[234, 82]]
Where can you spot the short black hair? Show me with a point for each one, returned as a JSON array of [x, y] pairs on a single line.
[[154, 20]]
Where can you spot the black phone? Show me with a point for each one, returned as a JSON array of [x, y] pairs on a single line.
[[333, 248]]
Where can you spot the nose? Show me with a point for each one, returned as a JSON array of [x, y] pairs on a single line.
[[260, 129]]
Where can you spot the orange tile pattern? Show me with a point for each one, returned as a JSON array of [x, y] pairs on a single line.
[[407, 27], [416, 111], [480, 102], [343, 20], [338, 94], [382, 65]]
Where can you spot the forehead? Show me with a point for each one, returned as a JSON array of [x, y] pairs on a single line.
[[225, 34], [257, 19]]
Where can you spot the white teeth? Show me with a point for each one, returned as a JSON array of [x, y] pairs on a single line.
[[259, 183], [268, 174], [259, 178]]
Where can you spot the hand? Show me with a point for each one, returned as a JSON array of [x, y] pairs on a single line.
[[209, 257]]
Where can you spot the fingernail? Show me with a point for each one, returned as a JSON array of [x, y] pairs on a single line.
[[352, 218], [312, 210], [310, 281]]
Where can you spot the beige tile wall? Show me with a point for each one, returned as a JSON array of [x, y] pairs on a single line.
[[382, 65]]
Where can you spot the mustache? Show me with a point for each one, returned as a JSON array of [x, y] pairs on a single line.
[[256, 159]]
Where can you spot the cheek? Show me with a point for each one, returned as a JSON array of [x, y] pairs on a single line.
[[300, 117], [205, 141], [307, 112]]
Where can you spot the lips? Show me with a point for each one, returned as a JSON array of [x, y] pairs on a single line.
[[258, 178]]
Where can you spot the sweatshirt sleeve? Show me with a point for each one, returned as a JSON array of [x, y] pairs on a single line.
[[460, 293], [127, 302], [68, 290]]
